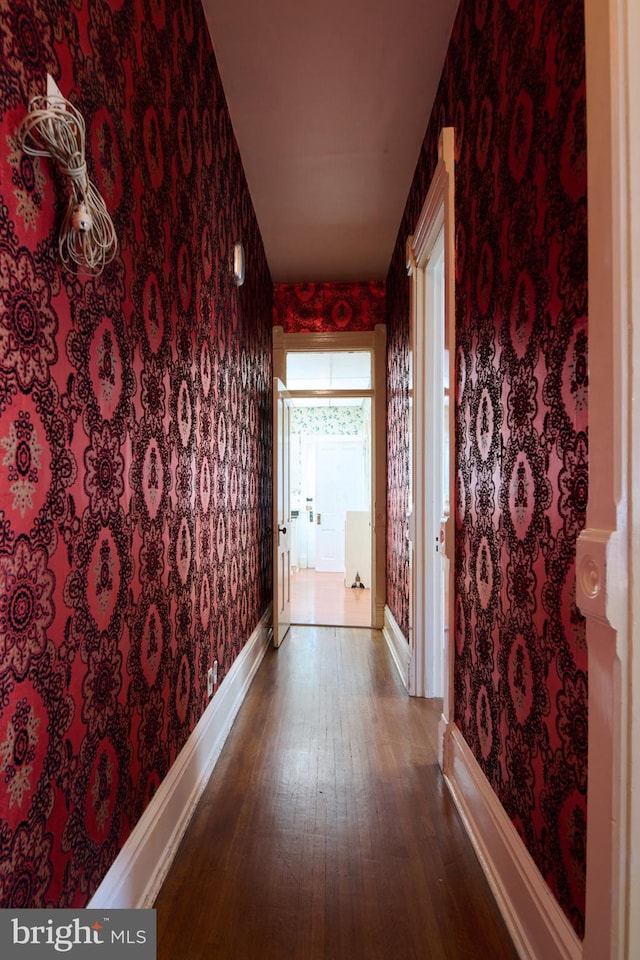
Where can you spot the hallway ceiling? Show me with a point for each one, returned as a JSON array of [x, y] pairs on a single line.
[[329, 102]]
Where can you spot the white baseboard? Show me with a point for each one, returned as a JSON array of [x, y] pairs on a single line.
[[444, 743], [538, 926], [398, 645], [137, 873]]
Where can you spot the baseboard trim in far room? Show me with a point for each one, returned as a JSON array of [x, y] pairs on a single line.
[[137, 873]]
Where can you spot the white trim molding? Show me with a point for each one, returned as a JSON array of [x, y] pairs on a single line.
[[136, 875], [608, 582], [398, 645], [538, 926]]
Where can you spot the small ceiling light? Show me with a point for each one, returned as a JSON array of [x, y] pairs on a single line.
[[238, 265]]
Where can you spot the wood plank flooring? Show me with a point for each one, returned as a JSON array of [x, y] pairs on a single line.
[[322, 598], [326, 831]]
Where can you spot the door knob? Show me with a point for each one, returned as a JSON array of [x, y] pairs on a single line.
[[281, 529]]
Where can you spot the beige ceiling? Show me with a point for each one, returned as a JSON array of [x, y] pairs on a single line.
[[329, 102]]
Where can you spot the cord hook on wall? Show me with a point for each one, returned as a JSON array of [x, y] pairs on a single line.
[[55, 128]]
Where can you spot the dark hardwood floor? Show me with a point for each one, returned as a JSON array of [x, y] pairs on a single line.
[[326, 831]]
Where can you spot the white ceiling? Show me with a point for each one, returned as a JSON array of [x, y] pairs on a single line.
[[329, 102]]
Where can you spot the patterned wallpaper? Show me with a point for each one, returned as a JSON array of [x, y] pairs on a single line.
[[513, 88], [330, 421], [135, 435], [328, 307]]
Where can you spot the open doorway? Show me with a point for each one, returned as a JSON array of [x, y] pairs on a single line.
[[330, 466], [336, 385]]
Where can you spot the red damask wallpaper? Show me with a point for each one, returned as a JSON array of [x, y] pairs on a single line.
[[513, 89], [324, 307], [134, 434]]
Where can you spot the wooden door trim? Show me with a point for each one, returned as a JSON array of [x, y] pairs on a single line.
[[607, 572], [376, 342]]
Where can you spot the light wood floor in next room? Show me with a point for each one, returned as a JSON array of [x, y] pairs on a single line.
[[323, 598], [326, 831]]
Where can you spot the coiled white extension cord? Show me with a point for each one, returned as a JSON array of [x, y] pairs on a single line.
[[54, 128]]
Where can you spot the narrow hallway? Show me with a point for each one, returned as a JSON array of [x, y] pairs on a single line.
[[326, 831]]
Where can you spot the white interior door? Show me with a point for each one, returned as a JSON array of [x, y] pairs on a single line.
[[430, 454], [430, 529], [340, 486], [281, 512], [437, 518]]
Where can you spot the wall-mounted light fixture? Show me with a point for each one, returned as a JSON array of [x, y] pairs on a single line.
[[238, 264]]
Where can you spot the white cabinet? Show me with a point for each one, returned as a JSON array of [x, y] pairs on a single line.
[[357, 547]]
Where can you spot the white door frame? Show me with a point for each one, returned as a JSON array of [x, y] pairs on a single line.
[[426, 388], [281, 512], [425, 641], [376, 342], [608, 572]]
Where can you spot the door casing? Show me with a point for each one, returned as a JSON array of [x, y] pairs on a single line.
[[436, 218], [607, 568], [376, 342], [281, 513]]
